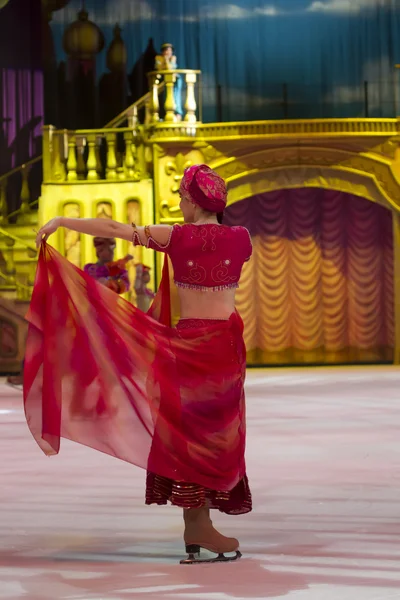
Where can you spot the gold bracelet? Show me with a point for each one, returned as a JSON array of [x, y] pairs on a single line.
[[135, 236], [147, 232]]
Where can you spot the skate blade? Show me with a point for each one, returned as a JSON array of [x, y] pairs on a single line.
[[194, 558]]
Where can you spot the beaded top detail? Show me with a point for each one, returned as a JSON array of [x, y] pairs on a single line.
[[206, 257]]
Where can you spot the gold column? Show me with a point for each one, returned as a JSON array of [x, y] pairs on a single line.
[[155, 103], [99, 166], [147, 108], [59, 150], [71, 161], [111, 172], [190, 104], [80, 160], [396, 286], [92, 159], [169, 79], [55, 150], [129, 158], [47, 145]]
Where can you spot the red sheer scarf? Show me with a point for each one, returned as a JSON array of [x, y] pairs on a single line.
[[100, 372], [160, 308]]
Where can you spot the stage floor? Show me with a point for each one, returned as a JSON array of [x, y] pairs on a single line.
[[324, 465]]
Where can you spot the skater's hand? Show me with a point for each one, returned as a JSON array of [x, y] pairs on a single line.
[[45, 231]]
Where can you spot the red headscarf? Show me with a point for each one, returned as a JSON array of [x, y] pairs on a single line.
[[204, 187]]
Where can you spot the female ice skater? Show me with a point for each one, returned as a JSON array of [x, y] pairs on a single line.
[[102, 373]]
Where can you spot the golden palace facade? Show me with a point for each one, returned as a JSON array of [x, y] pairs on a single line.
[[131, 171]]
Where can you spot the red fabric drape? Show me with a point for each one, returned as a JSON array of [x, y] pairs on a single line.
[[100, 372], [160, 309]]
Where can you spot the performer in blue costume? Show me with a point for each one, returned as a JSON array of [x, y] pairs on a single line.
[[166, 61]]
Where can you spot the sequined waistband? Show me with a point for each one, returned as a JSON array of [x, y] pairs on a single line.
[[203, 288], [189, 323]]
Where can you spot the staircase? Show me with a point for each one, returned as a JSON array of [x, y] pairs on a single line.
[[106, 172], [17, 272], [17, 228]]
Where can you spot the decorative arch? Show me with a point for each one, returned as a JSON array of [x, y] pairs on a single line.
[[367, 175]]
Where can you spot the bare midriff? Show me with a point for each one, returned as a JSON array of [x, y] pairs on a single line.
[[206, 305]]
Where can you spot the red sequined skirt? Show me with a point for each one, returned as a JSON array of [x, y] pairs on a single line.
[[161, 490]]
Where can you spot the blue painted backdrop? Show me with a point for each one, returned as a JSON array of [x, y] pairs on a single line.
[[316, 54]]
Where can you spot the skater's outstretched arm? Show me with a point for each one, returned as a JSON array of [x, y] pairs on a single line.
[[105, 228]]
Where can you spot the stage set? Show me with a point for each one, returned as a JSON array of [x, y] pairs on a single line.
[[320, 298]]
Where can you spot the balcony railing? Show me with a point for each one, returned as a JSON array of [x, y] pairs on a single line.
[[129, 116], [90, 155], [192, 107]]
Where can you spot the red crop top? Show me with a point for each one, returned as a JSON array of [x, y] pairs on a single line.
[[206, 257]]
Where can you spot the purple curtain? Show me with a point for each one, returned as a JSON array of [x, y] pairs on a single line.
[[319, 287], [21, 82]]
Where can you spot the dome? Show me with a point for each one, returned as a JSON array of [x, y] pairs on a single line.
[[83, 39], [116, 54]]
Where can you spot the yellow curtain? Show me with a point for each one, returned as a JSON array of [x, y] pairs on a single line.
[[319, 288]]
